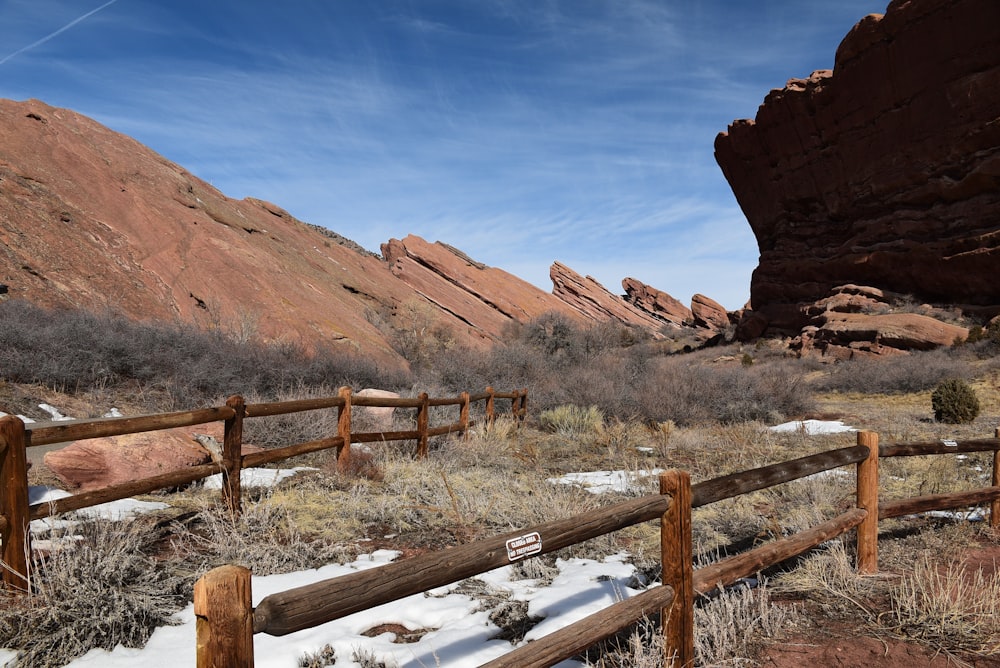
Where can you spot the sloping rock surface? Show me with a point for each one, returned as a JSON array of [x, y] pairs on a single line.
[[484, 298], [884, 172], [595, 302], [91, 218], [654, 301]]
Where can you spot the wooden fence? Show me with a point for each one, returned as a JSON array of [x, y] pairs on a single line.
[[16, 437], [226, 621]]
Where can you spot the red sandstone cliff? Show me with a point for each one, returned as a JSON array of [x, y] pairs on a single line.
[[884, 172], [91, 218]]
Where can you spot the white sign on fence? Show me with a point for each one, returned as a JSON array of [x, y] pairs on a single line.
[[524, 546]]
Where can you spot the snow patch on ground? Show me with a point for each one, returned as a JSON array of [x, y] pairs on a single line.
[[812, 427]]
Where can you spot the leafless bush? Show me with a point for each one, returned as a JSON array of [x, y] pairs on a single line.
[[79, 351], [915, 372], [734, 626], [262, 538], [100, 588]]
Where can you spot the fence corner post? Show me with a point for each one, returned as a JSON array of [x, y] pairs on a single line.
[[232, 455], [423, 423], [344, 430], [490, 407], [14, 512], [224, 618], [867, 492], [995, 504], [677, 621], [522, 412], [463, 415]]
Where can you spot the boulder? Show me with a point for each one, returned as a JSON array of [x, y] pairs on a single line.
[[882, 172], [595, 302], [903, 331], [100, 462], [377, 418]]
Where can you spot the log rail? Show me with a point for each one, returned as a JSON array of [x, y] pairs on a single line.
[[673, 599], [16, 437]]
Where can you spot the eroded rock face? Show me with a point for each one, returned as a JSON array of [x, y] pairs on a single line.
[[884, 172], [595, 302], [709, 313], [484, 298], [655, 302]]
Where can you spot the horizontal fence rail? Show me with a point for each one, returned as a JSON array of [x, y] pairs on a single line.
[[311, 605], [306, 607], [16, 437]]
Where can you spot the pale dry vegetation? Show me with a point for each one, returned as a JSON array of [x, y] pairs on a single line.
[[602, 399]]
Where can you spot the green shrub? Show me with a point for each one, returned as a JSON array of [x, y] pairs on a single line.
[[955, 402], [570, 420]]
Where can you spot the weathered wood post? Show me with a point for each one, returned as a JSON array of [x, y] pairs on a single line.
[[344, 430], [519, 405], [423, 422], [463, 415], [224, 618], [868, 499], [678, 570], [995, 503], [232, 455], [14, 518], [490, 407]]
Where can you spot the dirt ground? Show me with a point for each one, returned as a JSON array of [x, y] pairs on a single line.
[[848, 646]]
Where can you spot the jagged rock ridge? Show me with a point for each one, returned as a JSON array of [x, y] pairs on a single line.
[[91, 218]]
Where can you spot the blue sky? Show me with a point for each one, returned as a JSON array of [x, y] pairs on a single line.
[[521, 131]]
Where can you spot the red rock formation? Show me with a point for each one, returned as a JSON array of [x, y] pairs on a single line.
[[656, 302], [595, 302], [709, 313], [884, 172], [91, 218], [484, 298]]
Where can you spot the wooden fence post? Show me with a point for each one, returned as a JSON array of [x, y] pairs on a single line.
[[868, 499], [490, 408], [224, 618], [995, 504], [463, 415], [14, 519], [678, 570], [423, 422], [344, 430], [232, 455]]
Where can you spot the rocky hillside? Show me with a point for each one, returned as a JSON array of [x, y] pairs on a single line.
[[92, 218], [884, 172]]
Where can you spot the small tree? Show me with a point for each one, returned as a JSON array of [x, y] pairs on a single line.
[[955, 402]]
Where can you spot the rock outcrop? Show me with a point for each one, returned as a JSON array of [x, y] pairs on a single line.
[[656, 302], [884, 172], [91, 218], [595, 302], [483, 298]]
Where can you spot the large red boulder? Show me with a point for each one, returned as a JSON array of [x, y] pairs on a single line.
[[101, 462]]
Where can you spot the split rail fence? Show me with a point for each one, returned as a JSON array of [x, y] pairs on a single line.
[[16, 437], [227, 622]]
